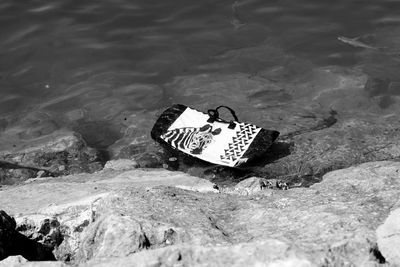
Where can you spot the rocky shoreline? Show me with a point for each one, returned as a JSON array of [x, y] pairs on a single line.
[[62, 152], [135, 203], [329, 118], [150, 217]]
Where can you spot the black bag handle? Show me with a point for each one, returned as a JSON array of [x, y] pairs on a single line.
[[214, 116]]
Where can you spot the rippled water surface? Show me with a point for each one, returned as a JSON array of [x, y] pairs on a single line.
[[87, 65]]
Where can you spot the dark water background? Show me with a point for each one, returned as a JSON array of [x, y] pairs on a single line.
[[87, 64]]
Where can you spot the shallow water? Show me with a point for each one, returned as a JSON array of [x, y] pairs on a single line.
[[89, 65]]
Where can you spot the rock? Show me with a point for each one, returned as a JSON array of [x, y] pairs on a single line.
[[116, 235], [13, 261], [73, 205], [388, 236], [14, 243], [19, 261], [7, 223], [120, 165], [11, 172], [136, 129], [203, 186], [266, 253], [47, 231], [115, 217], [98, 134], [59, 153], [348, 142], [251, 186], [40, 174], [255, 185]]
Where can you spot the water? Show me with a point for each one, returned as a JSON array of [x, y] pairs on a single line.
[[89, 65]]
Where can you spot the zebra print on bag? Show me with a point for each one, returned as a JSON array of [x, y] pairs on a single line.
[[191, 139]]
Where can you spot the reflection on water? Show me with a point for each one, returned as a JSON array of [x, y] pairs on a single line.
[[84, 63]]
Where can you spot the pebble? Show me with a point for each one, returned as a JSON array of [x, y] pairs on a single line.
[[40, 174]]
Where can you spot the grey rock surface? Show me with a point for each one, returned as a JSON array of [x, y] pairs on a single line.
[[114, 217], [18, 261], [266, 253], [120, 164], [13, 261], [388, 236], [13, 242]]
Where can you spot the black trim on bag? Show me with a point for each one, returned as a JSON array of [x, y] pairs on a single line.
[[214, 116], [166, 119]]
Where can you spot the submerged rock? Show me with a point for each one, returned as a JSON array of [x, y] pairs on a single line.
[[59, 153], [145, 217], [328, 118]]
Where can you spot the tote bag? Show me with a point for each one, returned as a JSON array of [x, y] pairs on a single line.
[[210, 138]]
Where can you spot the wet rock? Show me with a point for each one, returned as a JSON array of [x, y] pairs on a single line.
[[30, 125], [150, 159], [3, 124], [59, 153], [148, 155], [140, 96], [75, 115], [136, 138], [303, 108], [388, 236], [98, 134], [10, 176], [348, 142], [377, 86], [136, 143], [383, 90]]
